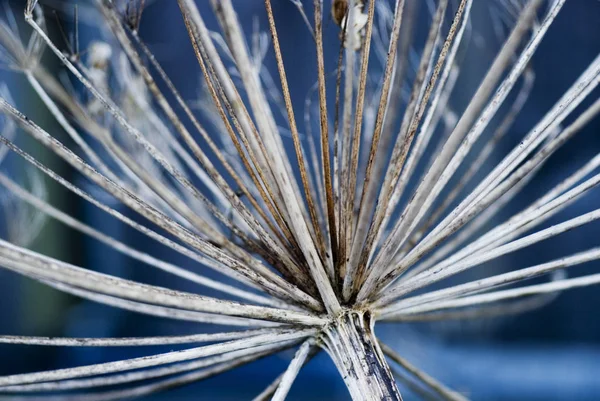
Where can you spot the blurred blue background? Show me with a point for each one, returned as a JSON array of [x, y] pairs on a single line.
[[549, 354]]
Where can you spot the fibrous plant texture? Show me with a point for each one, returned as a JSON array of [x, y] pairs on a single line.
[[362, 221]]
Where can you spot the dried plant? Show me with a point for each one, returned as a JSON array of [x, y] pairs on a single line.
[[350, 228]]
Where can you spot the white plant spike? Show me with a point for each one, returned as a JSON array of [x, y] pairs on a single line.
[[315, 236]]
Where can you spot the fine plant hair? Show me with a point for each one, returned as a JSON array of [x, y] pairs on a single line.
[[315, 236]]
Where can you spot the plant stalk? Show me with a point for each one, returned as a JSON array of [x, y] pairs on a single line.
[[351, 343]]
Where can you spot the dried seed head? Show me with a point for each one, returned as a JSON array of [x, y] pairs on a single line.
[[99, 55], [339, 9], [270, 223], [340, 12]]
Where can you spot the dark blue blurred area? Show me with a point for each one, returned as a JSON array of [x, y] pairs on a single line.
[[549, 354]]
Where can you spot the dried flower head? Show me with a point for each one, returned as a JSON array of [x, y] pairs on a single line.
[[343, 11], [339, 10], [313, 246]]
